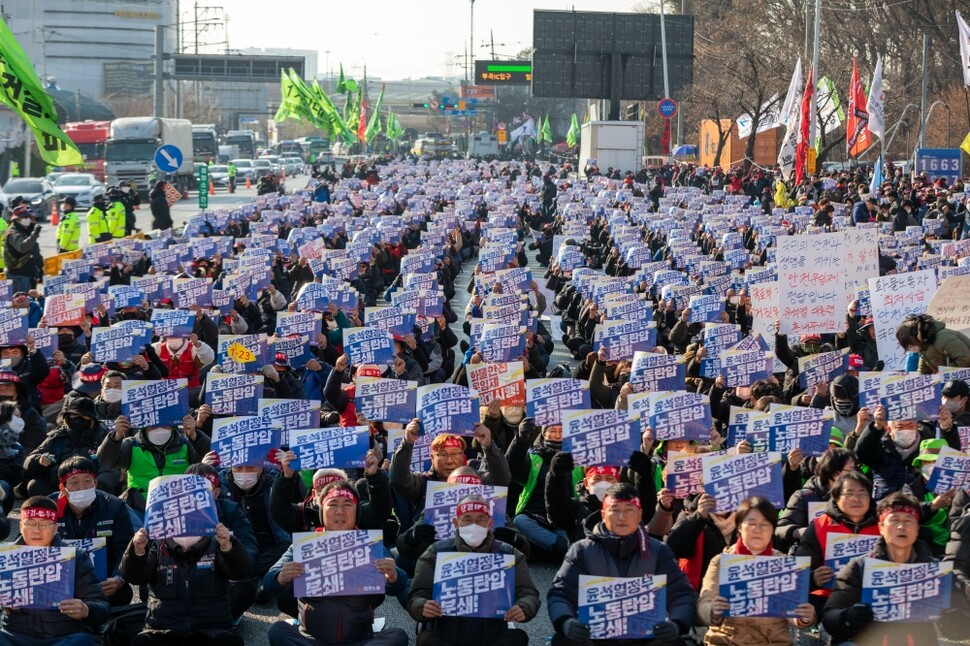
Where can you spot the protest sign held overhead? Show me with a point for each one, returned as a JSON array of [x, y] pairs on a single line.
[[180, 505]]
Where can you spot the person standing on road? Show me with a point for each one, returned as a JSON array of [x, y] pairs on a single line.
[[116, 214], [231, 170], [21, 252], [69, 229], [161, 212], [98, 230]]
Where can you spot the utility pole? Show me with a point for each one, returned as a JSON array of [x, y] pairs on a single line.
[[471, 41], [159, 110], [680, 113], [922, 105]]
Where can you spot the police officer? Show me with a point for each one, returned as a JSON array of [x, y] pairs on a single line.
[[98, 230], [116, 215], [69, 229], [232, 177]]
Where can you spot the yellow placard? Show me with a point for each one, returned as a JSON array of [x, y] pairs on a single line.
[[240, 353]]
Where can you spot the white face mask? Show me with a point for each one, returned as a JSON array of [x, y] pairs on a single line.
[[82, 499], [331, 324], [735, 300], [185, 542], [111, 395], [600, 488], [926, 469], [952, 405], [16, 424], [245, 480], [473, 535], [159, 436], [905, 439], [24, 222], [175, 344]]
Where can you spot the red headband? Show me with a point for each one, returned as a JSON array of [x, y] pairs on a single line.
[[899, 510], [453, 442], [41, 513], [464, 479], [323, 481], [609, 501], [213, 480], [472, 507], [603, 471], [339, 492], [74, 472]]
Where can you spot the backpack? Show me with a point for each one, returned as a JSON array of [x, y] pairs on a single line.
[[124, 624]]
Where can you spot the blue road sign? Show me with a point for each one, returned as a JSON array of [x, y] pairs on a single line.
[[667, 108], [168, 158], [940, 162]]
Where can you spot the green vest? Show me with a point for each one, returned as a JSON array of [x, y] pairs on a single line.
[[97, 224], [938, 527], [143, 467], [530, 484], [3, 227], [69, 232], [115, 218]]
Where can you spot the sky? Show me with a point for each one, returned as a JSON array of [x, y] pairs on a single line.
[[396, 40]]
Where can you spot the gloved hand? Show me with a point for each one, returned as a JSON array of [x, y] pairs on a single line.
[[561, 464], [421, 533], [575, 630], [528, 430], [858, 616], [640, 463], [665, 631]]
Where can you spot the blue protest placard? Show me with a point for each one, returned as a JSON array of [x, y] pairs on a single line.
[[680, 415], [126, 296], [172, 323], [741, 368], [763, 586], [295, 350], [600, 437], [622, 607], [191, 291], [36, 577], [120, 342], [368, 345], [180, 505], [685, 474], [908, 591], [447, 408], [705, 309], [732, 478], [240, 353], [841, 547], [621, 339], [45, 341], [546, 399], [467, 584], [285, 414], [245, 440], [13, 327], [911, 396], [155, 403], [229, 394], [395, 320], [951, 470], [337, 564], [823, 367], [96, 549], [386, 400], [500, 342], [808, 429], [442, 498], [420, 451], [313, 297], [342, 447], [652, 372], [308, 324]]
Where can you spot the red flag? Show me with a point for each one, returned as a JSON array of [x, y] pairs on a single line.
[[857, 135], [362, 124], [801, 151], [665, 138]]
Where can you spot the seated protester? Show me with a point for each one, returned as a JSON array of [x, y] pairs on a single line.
[[339, 394], [617, 543], [849, 418], [79, 433], [850, 510], [502, 421], [699, 534], [795, 517], [56, 385], [108, 403], [304, 516], [70, 343], [151, 452], [144, 366], [188, 586], [74, 620], [888, 447], [474, 525], [934, 524], [936, 344], [83, 511], [756, 519], [30, 366], [35, 428], [447, 454], [953, 412], [242, 592], [845, 617], [184, 358], [335, 619]]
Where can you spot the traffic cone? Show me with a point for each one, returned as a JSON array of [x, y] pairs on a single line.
[[55, 215], [248, 185], [212, 187]]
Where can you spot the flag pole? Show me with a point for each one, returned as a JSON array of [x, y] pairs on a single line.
[[815, 56]]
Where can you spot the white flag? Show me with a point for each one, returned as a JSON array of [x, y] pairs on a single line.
[[793, 100], [786, 155], [769, 119], [876, 105], [527, 129], [964, 47]]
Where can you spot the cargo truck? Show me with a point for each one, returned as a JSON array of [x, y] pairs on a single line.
[[612, 144], [90, 137], [132, 143]]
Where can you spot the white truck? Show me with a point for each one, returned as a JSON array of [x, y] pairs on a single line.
[[483, 144], [228, 152], [132, 142], [612, 144]]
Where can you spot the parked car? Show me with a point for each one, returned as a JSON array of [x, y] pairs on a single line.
[[262, 167], [293, 165], [83, 187], [36, 191], [244, 169]]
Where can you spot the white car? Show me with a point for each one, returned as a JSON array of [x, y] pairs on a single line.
[[293, 165], [262, 166], [83, 187], [244, 169]]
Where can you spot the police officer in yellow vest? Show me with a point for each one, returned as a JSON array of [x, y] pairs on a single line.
[[152, 452], [98, 230], [116, 213], [69, 229]]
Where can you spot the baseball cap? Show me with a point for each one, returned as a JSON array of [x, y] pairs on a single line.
[[956, 388], [929, 451], [856, 362]]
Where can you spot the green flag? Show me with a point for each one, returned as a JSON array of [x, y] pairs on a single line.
[[546, 131], [23, 93], [573, 134], [394, 131], [374, 125], [345, 86], [352, 119]]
